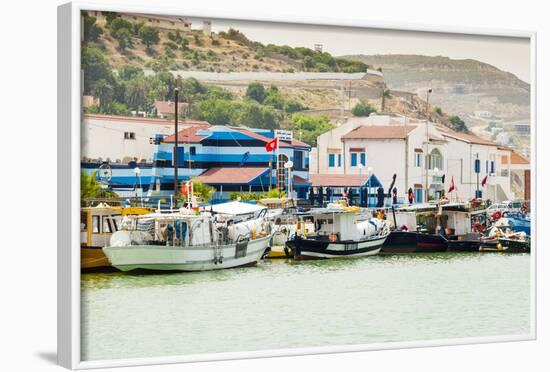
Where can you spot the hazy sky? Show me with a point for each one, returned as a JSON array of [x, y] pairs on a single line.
[[508, 54]]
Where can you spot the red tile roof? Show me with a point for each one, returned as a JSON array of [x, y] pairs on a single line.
[[336, 180], [189, 134], [230, 175], [167, 107], [468, 138], [298, 179], [380, 132], [515, 158]]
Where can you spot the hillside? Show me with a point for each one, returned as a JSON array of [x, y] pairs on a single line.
[[226, 51], [228, 79], [460, 86]]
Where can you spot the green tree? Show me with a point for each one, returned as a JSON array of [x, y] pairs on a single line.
[[90, 188], [149, 36], [95, 68], [129, 72], [119, 23], [215, 111], [438, 110], [137, 94], [92, 31], [458, 124], [308, 127], [362, 108], [256, 91], [105, 92], [203, 191], [124, 38]]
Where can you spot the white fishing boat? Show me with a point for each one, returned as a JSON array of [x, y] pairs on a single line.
[[339, 234], [188, 242]]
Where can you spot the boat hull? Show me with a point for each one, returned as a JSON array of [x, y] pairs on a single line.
[[413, 242], [317, 249], [93, 258], [506, 246], [463, 245], [192, 258]]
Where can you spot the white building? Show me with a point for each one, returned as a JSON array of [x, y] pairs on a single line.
[[418, 153], [122, 138]]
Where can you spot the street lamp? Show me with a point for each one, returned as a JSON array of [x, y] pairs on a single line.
[[137, 172], [369, 173], [427, 139], [288, 165]]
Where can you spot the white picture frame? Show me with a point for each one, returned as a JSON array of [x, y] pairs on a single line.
[[69, 115]]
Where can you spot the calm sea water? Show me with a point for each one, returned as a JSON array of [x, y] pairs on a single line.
[[280, 304]]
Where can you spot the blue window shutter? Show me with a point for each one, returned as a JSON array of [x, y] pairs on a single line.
[[486, 166], [492, 167], [477, 166], [353, 159], [181, 156], [339, 160], [331, 160], [363, 159]]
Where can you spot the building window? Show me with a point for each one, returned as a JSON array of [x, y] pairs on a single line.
[[492, 167], [339, 160], [435, 160], [298, 160], [193, 150], [331, 160], [353, 159], [486, 166], [129, 135], [418, 192], [418, 160], [363, 159]]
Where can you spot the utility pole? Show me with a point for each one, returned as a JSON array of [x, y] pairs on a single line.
[[477, 169], [427, 142], [176, 97]]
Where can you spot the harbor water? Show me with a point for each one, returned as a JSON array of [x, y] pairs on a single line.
[[279, 304]]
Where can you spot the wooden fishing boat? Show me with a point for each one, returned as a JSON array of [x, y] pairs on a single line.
[[97, 225]]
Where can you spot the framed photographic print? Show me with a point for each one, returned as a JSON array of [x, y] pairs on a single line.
[[251, 187]]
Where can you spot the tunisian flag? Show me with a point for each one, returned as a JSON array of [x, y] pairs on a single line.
[[272, 145], [452, 187], [484, 181]]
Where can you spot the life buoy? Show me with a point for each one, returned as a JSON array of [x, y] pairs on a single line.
[[496, 215]]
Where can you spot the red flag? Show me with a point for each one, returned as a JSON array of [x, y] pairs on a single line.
[[484, 181], [452, 187], [272, 145], [185, 189]]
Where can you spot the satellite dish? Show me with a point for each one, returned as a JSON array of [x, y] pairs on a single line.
[[105, 173], [289, 164]]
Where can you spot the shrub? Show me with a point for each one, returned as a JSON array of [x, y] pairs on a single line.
[[256, 91], [362, 108]]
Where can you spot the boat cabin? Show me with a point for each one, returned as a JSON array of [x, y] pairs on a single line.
[[97, 224], [452, 218], [334, 224]]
